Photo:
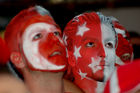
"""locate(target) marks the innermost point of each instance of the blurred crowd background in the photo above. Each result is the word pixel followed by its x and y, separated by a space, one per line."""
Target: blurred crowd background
pixel 126 11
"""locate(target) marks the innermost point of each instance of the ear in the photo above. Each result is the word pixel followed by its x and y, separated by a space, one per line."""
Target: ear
pixel 17 59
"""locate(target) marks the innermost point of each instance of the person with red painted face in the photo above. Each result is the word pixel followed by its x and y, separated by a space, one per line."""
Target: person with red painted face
pixel 91 42
pixel 124 51
pixel 37 50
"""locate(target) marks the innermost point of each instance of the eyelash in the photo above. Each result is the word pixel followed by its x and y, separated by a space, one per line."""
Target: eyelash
pixel 90 44
pixel 37 36
pixel 109 45
pixel 56 33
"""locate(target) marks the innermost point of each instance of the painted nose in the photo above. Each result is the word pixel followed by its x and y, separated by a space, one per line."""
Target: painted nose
pixel 101 52
pixel 53 39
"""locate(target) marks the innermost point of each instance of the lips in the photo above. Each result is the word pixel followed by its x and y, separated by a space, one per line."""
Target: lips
pixel 55 53
pixel 102 63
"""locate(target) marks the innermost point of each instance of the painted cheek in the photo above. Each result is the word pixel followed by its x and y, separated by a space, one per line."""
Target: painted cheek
pixel 49 46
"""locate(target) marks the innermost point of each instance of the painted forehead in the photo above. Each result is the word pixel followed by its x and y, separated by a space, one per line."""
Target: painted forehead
pixel 39 27
pixel 83 24
pixel 89 23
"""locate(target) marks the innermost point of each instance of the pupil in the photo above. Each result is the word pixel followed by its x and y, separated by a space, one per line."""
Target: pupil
pixel 90 43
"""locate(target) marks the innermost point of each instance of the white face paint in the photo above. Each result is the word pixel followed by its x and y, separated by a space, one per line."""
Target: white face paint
pixel 108 40
pixel 119 31
pixel 119 61
pixel 31 49
pixel 82 29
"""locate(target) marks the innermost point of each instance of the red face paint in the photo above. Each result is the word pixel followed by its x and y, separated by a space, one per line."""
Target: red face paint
pixel 43 47
pixel 85 44
pixel 90 50
pixel 36 37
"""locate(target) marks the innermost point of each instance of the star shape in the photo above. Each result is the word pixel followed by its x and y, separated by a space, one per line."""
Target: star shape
pixel 83 75
pixel 82 29
pixel 95 64
pixel 76 52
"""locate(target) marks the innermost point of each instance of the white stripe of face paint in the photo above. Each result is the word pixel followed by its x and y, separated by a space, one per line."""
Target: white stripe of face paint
pixel 114 87
pixel 31 50
pixel 108 37
pixel 119 31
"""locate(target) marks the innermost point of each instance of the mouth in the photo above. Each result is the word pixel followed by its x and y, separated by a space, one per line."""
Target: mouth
pixel 55 53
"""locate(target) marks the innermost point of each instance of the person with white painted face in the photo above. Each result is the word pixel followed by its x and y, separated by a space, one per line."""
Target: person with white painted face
pixel 37 50
pixel 90 39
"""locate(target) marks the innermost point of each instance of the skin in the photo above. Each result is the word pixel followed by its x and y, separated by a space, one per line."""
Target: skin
pixel 17 85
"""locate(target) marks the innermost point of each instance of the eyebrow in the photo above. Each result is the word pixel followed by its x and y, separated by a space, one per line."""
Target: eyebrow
pixel 110 39
pixel 90 38
pixel 57 26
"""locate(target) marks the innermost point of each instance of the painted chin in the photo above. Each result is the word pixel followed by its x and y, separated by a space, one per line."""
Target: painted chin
pixel 99 75
pixel 58 58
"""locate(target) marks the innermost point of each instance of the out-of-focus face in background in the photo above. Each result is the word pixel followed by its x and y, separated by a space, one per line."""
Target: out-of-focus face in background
pixel 124 49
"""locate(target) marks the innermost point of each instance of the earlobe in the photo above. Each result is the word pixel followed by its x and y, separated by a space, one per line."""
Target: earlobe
pixel 17 59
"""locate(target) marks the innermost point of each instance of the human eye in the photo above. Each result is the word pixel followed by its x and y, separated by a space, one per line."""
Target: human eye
pixel 37 36
pixel 56 33
pixel 90 44
pixel 109 45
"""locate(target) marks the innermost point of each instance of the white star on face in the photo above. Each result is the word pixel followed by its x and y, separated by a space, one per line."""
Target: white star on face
pixel 82 29
pixel 95 64
pixel 76 52
pixel 83 75
pixel 65 38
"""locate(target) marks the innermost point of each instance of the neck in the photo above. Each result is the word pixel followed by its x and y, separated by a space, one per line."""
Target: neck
pixel 89 85
pixel 43 82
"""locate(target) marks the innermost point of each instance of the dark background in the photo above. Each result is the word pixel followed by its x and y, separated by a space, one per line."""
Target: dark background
pixel 64 10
